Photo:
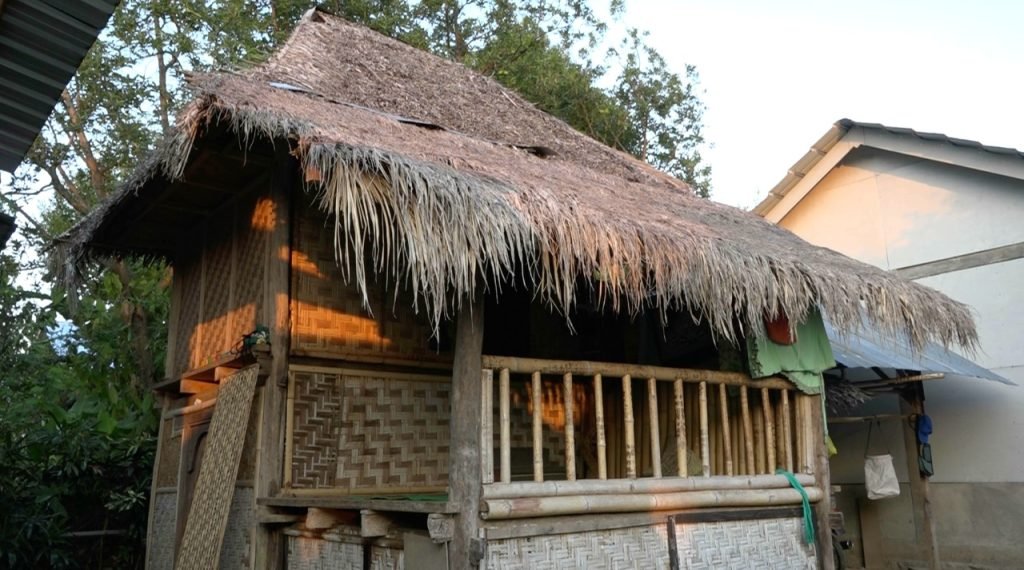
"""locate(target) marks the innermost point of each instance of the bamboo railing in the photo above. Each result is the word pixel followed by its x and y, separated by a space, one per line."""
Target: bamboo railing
pixel 744 428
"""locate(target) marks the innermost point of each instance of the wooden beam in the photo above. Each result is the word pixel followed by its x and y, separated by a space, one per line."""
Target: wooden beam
pixel 911 403
pixel 819 453
pixel 269 551
pixel 464 479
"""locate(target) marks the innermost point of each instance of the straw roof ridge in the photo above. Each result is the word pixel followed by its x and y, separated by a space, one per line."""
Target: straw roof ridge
pixel 446 210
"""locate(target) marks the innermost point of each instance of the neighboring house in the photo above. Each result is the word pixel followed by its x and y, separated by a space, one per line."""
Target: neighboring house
pixel 364 200
pixel 947 213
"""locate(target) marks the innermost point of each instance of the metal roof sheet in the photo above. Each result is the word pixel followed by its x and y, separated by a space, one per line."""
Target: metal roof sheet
pixel 870 349
pixel 42 43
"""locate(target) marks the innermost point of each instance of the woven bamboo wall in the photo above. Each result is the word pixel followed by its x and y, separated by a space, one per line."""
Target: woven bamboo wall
pixel 329 317
pixel 642 548
pixel 767 543
pixel 234 553
pixel 220 280
pixel 368 431
pixel 306 553
pixel 161 534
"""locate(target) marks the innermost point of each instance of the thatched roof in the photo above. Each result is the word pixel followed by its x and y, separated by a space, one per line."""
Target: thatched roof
pixel 481 186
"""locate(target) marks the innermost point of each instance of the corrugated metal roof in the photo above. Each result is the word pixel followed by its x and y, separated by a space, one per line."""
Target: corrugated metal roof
pixel 869 349
pixel 42 43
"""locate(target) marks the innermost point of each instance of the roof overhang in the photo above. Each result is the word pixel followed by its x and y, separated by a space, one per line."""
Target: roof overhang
pixel 845 136
pixel 42 43
pixel 6 227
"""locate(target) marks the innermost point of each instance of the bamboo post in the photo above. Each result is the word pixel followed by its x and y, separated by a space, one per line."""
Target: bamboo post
pixel 705 452
pixel 769 428
pixel 760 442
pixel 602 445
pixel 681 446
pixel 748 431
pixel 505 426
pixel 627 413
pixel 805 428
pixel 570 429
pixel 538 427
pixel 655 431
pixel 787 435
pixel 487 426
pixel 723 406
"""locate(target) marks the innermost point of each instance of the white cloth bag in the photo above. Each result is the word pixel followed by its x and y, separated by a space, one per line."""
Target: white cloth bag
pixel 880 477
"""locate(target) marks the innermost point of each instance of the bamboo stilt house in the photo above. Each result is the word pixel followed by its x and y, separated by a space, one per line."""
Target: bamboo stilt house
pixel 481 338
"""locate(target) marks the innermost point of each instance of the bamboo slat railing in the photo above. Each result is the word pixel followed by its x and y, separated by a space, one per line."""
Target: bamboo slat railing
pixel 744 428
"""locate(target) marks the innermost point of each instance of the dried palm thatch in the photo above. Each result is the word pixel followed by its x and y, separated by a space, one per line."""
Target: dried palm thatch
pixel 481 187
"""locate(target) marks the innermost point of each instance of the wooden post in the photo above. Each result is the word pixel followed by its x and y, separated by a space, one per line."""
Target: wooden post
pixel 487 426
pixel 819 454
pixel 504 421
pixel 538 427
pixel 681 447
pixel 464 479
pixel 769 428
pixel 748 432
pixel 627 413
pixel 723 406
pixel 269 551
pixel 652 414
pixel 570 429
pixel 705 452
pixel 911 403
pixel 602 444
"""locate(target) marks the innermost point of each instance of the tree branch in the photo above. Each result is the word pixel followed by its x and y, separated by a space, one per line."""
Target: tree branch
pixel 96 174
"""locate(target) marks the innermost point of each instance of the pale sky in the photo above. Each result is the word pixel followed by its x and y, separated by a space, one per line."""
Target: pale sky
pixel 777 74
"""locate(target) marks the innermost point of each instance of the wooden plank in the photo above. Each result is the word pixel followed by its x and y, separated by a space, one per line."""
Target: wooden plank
pixel 289 432
pixel 464 480
pixel 602 444
pixel 269 551
pixel 961 262
pixel 654 430
pixel 504 425
pixel 356 503
pixel 661 373
pixel 570 433
pixel 723 407
pixel 748 432
pixel 538 428
pixel 705 452
pixel 630 433
pixel 681 447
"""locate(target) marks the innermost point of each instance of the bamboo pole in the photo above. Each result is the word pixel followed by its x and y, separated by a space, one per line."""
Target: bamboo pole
pixel 662 373
pixel 723 405
pixel 644 485
pixel 528 507
pixel 705 452
pixel 787 435
pixel 769 427
pixel 627 412
pixel 570 429
pixel 760 442
pixel 487 427
pixel 681 446
pixel 505 420
pixel 748 432
pixel 538 427
pixel 655 429
pixel 806 429
pixel 602 445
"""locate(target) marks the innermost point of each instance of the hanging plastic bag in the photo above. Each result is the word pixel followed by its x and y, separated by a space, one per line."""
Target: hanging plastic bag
pixel 879 474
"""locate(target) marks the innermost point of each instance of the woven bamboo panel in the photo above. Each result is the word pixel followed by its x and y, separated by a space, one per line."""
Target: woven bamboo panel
pixel 234 553
pixel 739 545
pixel 186 348
pixel 306 553
pixel 214 339
pixel 329 315
pixel 316 421
pixel 170 455
pixel 161 535
pixel 253 221
pixel 206 524
pixel 385 558
pixel 393 433
pixel 642 548
pixel 247 463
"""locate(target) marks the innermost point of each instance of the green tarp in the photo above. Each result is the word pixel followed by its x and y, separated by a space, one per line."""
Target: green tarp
pixel 801 362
